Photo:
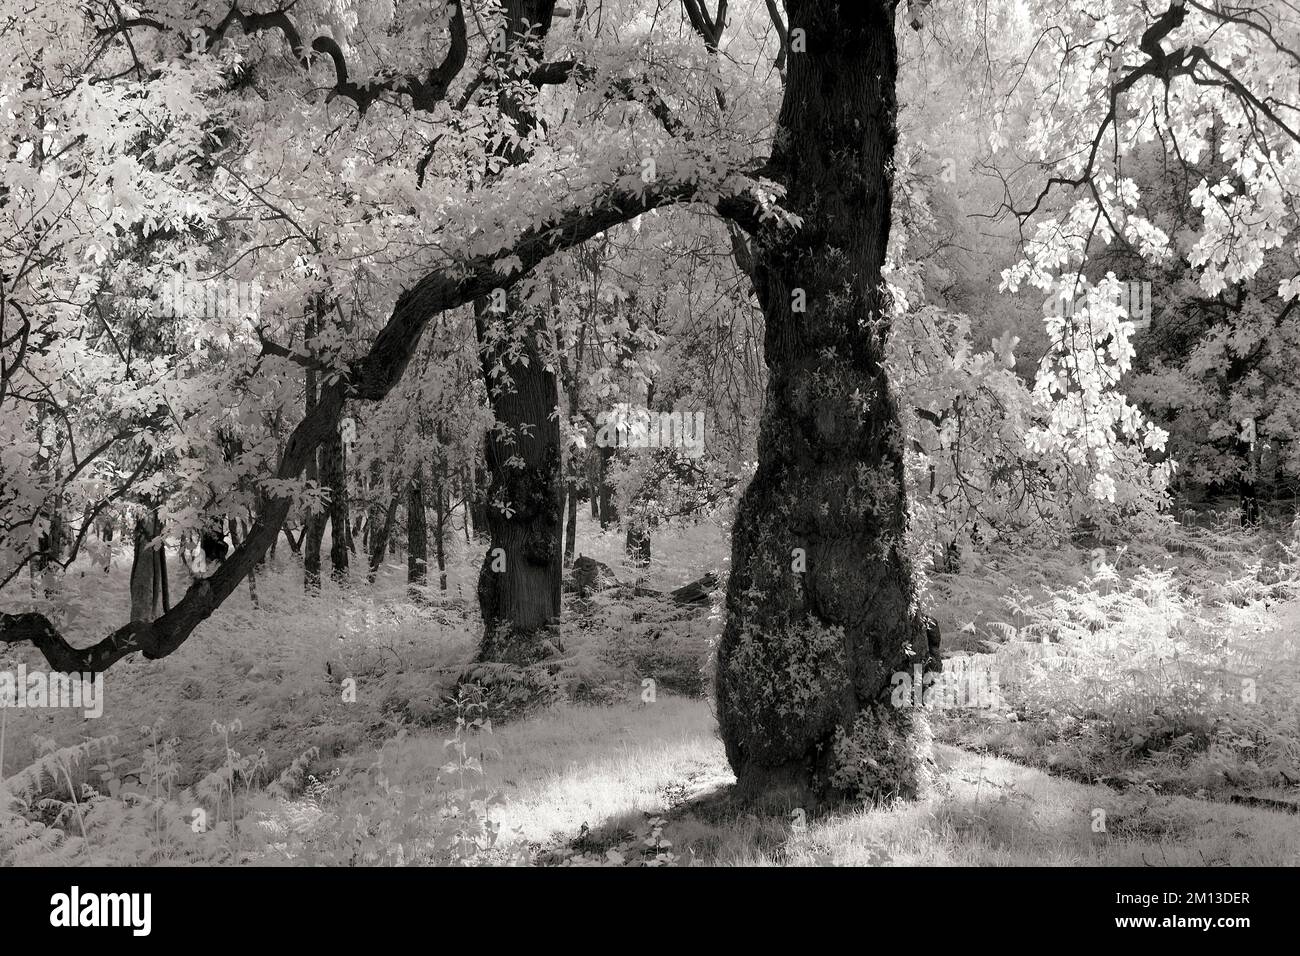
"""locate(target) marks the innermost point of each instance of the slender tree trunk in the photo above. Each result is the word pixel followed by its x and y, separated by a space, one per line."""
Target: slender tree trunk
pixel 237 535
pixel 637 543
pixel 417 537
pixel 821 603
pixel 477 503
pixel 314 531
pixel 334 477
pixel 108 544
pixel 311 555
pixel 593 480
pixel 1248 481
pixel 163 585
pixel 571 528
pixel 379 541
pixel 608 510
pixel 49 553
pixel 375 510
pixel 440 534
pixel 144 571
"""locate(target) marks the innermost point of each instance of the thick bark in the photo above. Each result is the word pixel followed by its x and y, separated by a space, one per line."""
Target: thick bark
pixel 821 604
pixel 522 572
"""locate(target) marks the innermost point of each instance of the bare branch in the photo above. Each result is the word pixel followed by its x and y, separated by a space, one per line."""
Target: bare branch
pixel 424 91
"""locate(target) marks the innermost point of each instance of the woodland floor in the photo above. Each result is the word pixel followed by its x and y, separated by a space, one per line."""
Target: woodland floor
pixel 600 776
pixel 599 773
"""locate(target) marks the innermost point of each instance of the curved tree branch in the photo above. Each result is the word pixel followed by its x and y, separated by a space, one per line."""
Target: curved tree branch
pixel 370 379
pixel 425 91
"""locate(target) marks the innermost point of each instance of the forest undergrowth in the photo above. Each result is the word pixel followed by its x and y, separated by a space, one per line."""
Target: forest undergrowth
pixel 354 729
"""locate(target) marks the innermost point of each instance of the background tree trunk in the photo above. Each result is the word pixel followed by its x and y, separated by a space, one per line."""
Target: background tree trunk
pixel 477 504
pixel 608 510
pixel 145 583
pixel 334 477
pixel 417 537
pixel 637 543
pixel 806 657
pixel 379 540
pixel 237 535
pixel 440 535
pixel 315 523
pixel 571 527
pixel 48 555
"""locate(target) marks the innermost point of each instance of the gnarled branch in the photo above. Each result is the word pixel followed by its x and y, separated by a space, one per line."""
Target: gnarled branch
pixel 370 379
pixel 425 91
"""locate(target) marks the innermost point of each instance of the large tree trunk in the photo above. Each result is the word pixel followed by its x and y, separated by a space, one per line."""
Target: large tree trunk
pixel 519 581
pixel 821 604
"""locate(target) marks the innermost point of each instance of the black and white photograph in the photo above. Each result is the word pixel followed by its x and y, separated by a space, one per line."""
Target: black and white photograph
pixel 731 437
